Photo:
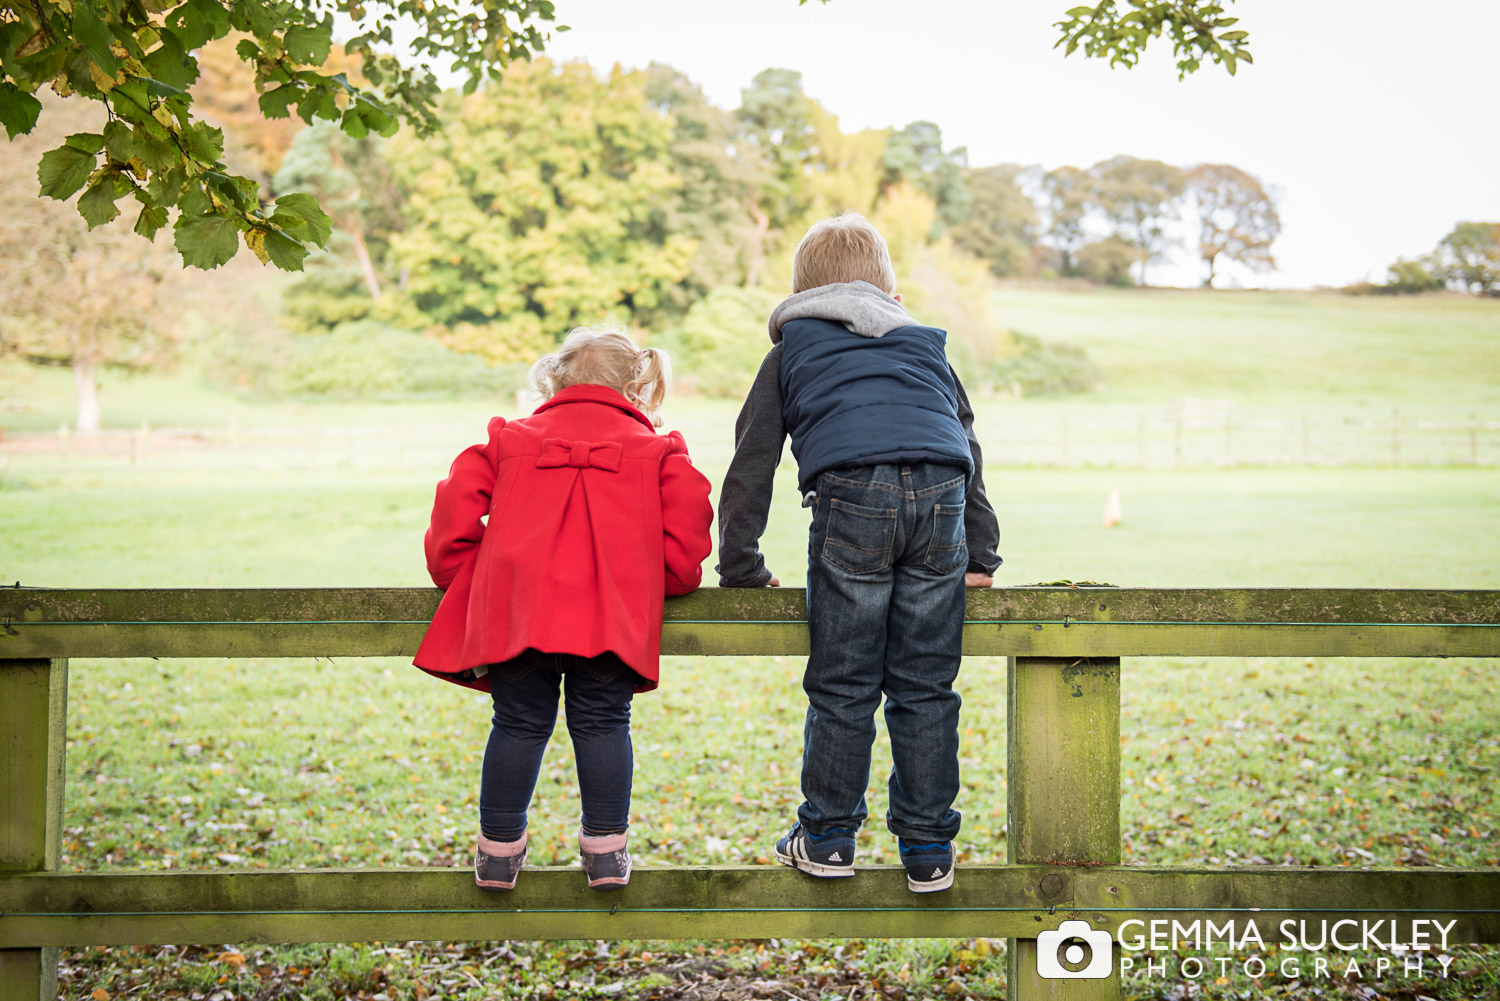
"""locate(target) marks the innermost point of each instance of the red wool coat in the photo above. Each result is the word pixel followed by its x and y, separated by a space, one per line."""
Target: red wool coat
pixel 592 518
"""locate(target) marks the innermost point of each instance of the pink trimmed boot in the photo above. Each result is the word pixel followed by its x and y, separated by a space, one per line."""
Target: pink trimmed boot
pixel 606 861
pixel 497 863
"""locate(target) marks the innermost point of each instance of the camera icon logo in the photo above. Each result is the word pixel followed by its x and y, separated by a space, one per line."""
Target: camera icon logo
pixel 1074 951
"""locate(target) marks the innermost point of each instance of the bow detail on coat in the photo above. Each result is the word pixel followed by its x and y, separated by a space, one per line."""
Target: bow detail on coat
pixel 579 454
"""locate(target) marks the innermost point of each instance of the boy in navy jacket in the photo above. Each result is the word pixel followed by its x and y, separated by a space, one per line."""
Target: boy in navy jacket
pixel 888 462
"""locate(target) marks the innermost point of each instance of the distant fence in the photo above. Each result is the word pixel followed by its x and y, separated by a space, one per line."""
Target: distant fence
pixel 1188 434
pixel 1205 436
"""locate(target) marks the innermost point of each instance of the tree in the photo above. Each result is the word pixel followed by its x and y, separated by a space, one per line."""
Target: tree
pixel 1069 194
pixel 1001 226
pixel 776 127
pixel 846 170
pixel 1237 219
pixel 137 60
pixel 541 204
pixel 75 298
pixel 352 181
pixel 719 186
pixel 915 154
pixel 1108 261
pixel 1409 277
pixel 1470 256
pixel 1139 196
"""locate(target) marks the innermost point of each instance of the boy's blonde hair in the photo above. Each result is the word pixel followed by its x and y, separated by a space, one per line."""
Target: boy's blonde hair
pixel 845 248
pixel 606 357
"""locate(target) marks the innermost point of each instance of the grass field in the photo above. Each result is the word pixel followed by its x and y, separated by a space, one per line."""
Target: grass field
pixel 1287 349
pixel 365 762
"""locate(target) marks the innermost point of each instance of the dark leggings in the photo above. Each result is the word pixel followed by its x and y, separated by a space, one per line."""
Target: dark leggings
pixel 597 692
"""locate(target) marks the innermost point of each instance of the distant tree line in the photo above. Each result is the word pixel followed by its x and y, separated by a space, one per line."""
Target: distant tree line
pixel 1467 259
pixel 558 197
pixel 1111 222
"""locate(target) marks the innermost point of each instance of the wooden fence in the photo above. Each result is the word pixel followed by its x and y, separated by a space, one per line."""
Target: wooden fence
pixel 1063 833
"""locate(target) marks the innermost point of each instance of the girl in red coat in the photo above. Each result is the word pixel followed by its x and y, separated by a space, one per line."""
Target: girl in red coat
pixel 555 542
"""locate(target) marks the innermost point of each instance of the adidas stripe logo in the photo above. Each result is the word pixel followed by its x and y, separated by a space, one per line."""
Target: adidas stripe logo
pixel 937 872
pixel 835 857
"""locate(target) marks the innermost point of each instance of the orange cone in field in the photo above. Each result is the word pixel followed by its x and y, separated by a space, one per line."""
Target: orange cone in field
pixel 1112 507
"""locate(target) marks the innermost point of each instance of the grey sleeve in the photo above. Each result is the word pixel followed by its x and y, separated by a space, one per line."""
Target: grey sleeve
pixel 745 495
pixel 980 524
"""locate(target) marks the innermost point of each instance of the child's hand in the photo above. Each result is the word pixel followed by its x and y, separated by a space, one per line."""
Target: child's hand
pixel 978 580
pixel 775 581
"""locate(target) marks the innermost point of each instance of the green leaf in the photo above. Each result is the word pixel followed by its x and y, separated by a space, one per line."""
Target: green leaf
pixel 64 170
pixel 87 142
pixel 1079 12
pixel 302 217
pixel 247 50
pixel 376 118
pixel 1231 36
pixel 318 103
pixel 130 101
pixel 156 88
pixel 207 240
pixel 285 252
pixel 151 219
pixel 198 21
pixel 97 204
pixel 18 110
pixel 238 191
pixel 170 63
pixel 203 142
pixel 119 140
pixel 277 103
pixel 94 37
pixel 353 123
pixel 308 43
pixel 192 199
pixel 167 186
pixel 254 16
pixel 155 151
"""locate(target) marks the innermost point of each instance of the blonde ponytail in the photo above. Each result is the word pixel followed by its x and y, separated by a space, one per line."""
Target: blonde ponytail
pixel 653 378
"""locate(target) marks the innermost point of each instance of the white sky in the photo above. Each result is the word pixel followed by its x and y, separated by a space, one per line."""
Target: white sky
pixel 1372 121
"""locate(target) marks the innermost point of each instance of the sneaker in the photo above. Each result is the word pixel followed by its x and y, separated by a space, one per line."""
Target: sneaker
pixel 497 863
pixel 929 867
pixel 829 856
pixel 606 861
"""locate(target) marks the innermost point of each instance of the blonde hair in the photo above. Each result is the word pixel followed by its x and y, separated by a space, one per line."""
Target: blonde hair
pixel 845 248
pixel 606 357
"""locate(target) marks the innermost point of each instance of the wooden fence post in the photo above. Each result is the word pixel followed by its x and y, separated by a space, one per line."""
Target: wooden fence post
pixel 33 734
pixel 1063 798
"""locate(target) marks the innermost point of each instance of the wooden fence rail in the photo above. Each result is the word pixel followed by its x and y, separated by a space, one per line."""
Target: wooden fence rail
pixel 1063 822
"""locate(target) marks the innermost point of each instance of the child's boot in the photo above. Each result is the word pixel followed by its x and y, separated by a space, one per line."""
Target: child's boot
pixel 497 863
pixel 606 861
pixel 830 855
pixel 929 867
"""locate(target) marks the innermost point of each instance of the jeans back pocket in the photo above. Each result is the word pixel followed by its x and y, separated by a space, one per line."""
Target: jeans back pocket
pixel 858 538
pixel 948 549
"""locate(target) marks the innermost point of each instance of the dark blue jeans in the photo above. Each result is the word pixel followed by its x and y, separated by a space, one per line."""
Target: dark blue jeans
pixel 597 692
pixel 885 611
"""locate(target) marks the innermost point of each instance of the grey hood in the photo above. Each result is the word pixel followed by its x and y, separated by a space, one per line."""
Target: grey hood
pixel 859 306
